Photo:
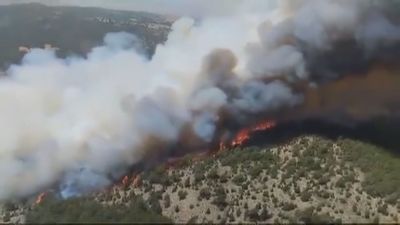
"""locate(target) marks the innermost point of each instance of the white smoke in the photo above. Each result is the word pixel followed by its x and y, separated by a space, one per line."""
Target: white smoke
pixel 80 121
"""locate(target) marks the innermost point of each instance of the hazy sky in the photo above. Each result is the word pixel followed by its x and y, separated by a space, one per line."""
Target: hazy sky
pixel 181 7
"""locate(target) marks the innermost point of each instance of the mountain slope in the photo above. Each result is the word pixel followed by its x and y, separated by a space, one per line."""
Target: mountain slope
pixel 310 179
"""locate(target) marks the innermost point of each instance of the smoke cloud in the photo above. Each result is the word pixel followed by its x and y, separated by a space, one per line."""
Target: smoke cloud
pixel 79 123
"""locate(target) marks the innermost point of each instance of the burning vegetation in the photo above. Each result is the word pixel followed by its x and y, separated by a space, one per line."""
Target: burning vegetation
pixel 40 198
pixel 300 60
pixel 244 135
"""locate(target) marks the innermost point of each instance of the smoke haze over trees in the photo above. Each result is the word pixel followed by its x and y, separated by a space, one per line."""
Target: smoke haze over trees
pixel 82 121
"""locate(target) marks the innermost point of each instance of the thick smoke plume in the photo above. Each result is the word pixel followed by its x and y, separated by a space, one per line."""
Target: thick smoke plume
pixel 79 123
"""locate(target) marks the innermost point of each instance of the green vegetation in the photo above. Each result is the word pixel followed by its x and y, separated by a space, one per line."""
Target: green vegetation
pixel 167 201
pixel 305 196
pixel 182 194
pixel 205 193
pixel 239 179
pixel 381 168
pixel 74 30
pixel 86 210
pixel 220 198
pixel 288 206
pixel 237 186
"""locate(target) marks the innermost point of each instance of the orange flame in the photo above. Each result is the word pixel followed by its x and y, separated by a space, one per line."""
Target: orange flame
pixel 137 180
pixel 40 198
pixel 221 146
pixel 266 125
pixel 125 181
pixel 243 135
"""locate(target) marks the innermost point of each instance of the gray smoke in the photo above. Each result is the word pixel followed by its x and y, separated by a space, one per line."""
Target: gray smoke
pixel 81 122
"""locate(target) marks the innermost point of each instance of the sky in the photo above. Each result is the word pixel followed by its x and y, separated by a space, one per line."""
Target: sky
pixel 174 7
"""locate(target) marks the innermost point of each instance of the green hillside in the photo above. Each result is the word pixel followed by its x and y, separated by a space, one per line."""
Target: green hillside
pixel 311 179
pixel 72 29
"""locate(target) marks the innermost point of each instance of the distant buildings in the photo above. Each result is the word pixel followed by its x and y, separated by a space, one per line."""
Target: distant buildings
pixel 132 21
pixel 24 49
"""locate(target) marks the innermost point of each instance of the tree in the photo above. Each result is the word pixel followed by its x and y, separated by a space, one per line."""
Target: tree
pixel 220 201
pixel 182 194
pixel 85 210
pixel 287 206
pixel 383 209
pixel 213 174
pixel 253 215
pixel 205 193
pixel 305 196
pixel 265 215
pixel 154 202
pixel 187 182
pixel 238 212
pixel 167 201
pixel 239 179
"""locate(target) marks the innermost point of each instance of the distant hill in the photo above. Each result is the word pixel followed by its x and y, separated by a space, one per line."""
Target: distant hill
pixel 74 30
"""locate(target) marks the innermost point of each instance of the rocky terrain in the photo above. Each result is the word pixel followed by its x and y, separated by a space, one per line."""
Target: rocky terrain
pixel 309 179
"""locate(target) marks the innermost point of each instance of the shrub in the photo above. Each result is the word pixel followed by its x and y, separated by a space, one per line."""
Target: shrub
pixel 213 174
pixel 6 217
pixel 354 208
pixel 187 182
pixel 265 215
pixel 159 176
pixel 256 170
pixel 84 210
pixel 238 212
pixel 223 178
pixel 383 209
pixel 182 194
pixel 381 179
pixel 325 194
pixel 367 214
pixel 198 177
pixel 253 215
pixel 167 201
pixel 204 193
pixel 288 206
pixel 305 196
pixel 305 215
pixel 220 201
pixel 239 179
pixel 154 202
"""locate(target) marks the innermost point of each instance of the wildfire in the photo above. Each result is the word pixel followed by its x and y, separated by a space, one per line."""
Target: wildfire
pixel 125 181
pixel 137 180
pixel 134 181
pixel 243 135
pixel 40 198
pixel 266 125
pixel 221 146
